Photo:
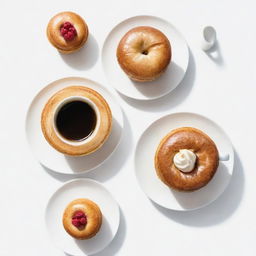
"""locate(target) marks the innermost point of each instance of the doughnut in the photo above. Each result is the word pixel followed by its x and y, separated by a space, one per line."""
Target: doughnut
pixel 82 219
pixel 99 135
pixel 144 53
pixel 67 32
pixel 186 159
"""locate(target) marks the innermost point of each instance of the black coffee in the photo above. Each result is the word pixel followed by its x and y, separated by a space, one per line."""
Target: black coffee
pixel 76 120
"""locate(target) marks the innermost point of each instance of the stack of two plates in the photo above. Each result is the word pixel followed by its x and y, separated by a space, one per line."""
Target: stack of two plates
pixel 79 188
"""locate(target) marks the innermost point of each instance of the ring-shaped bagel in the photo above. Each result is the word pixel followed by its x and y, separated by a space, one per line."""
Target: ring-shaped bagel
pixel 144 53
pixel 206 163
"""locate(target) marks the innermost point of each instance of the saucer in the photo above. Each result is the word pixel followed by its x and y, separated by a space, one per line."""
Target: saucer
pixel 148 90
pixel 82 188
pixel 51 158
pixel 155 189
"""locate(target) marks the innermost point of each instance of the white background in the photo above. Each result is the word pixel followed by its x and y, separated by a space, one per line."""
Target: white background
pixel 222 89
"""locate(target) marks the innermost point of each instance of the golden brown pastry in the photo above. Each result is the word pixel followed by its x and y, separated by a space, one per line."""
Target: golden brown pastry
pixel 82 218
pixel 66 133
pixel 144 53
pixel 186 159
pixel 67 32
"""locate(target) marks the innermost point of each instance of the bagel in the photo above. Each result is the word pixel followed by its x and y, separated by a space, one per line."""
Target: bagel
pixel 144 53
pixel 67 32
pixel 82 219
pixel 206 160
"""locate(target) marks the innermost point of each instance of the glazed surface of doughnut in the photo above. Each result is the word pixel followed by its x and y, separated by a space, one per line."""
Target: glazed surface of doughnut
pixel 144 53
pixel 93 216
pixel 58 41
pixel 97 140
pixel 206 163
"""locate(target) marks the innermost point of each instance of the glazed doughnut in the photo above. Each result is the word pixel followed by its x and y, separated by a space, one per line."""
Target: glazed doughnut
pixel 144 53
pixel 67 32
pixel 82 219
pixel 98 137
pixel 190 142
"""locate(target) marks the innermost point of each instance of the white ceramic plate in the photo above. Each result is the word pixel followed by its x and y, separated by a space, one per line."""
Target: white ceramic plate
pixel 82 188
pixel 50 157
pixel 158 191
pixel 149 90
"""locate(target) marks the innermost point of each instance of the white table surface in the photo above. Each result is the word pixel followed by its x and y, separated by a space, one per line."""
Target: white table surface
pixel 222 89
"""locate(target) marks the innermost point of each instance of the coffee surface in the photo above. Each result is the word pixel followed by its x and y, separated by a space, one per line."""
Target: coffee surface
pixel 76 120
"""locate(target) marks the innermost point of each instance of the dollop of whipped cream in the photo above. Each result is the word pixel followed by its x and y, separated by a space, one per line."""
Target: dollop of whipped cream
pixel 185 160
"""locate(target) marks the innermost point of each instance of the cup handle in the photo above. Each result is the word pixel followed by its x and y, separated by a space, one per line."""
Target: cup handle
pixel 208 38
pixel 224 157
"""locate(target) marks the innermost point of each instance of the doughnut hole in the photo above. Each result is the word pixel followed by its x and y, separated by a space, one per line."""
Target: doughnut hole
pixel 144 52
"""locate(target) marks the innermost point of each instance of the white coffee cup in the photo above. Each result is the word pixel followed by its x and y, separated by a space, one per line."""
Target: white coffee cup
pixel 73 99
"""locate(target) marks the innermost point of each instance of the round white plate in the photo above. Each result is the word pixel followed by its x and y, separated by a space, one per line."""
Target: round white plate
pixel 149 90
pixel 157 190
pixel 50 157
pixel 82 188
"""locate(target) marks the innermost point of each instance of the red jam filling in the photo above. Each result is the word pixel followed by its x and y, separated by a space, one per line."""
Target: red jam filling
pixel 79 219
pixel 68 31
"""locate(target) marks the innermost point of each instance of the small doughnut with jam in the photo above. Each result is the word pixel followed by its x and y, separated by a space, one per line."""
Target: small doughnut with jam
pixel 82 219
pixel 67 32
